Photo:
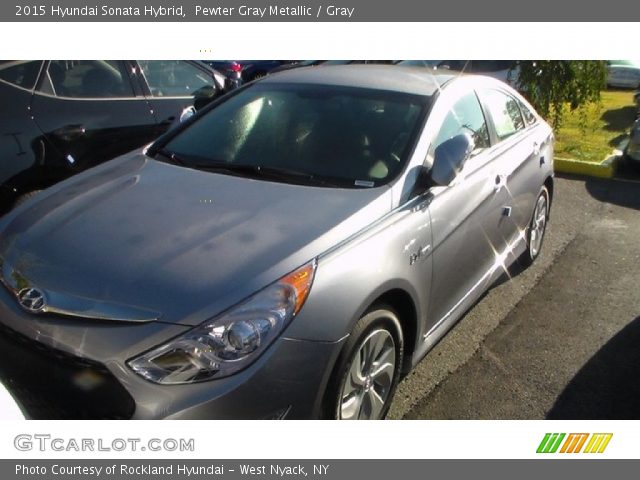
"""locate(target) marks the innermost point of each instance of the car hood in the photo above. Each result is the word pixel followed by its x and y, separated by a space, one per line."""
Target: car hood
pixel 140 240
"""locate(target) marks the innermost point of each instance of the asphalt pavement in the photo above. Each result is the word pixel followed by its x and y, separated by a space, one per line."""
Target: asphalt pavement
pixel 558 340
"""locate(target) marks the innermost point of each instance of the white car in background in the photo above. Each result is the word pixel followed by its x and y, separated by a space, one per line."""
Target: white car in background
pixel 623 73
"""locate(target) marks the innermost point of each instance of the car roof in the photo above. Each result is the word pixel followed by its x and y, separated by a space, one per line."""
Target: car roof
pixel 414 80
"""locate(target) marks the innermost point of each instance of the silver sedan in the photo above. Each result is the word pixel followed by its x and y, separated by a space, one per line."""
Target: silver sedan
pixel 289 252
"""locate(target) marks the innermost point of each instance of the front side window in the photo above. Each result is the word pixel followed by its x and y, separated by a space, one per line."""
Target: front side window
pixel 174 78
pixel 505 113
pixel 87 79
pixel 351 136
pixel 465 117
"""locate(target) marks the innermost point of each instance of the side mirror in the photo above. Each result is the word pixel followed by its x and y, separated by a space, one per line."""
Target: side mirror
pixel 203 96
pixel 187 113
pixel 449 158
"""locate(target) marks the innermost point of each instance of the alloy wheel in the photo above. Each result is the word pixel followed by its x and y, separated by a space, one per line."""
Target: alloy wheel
pixel 538 226
pixel 367 386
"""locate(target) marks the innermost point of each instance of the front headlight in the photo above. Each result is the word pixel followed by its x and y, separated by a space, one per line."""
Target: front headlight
pixel 230 342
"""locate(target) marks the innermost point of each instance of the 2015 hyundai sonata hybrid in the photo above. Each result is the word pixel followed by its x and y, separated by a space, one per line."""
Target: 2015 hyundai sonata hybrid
pixel 289 252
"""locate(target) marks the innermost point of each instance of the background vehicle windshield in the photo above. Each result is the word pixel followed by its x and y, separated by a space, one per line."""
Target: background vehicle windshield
pixel 345 134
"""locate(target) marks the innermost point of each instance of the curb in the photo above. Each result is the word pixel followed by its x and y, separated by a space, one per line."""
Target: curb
pixel 606 169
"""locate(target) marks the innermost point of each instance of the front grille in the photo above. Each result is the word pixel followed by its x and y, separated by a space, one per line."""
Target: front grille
pixel 51 384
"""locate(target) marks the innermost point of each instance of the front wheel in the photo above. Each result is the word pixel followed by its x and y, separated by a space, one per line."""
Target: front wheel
pixel 369 368
pixel 537 227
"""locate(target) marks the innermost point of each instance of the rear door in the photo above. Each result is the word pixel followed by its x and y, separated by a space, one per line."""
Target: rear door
pixel 522 151
pixel 89 112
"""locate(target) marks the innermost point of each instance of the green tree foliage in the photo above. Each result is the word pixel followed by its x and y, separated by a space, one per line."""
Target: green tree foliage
pixel 553 86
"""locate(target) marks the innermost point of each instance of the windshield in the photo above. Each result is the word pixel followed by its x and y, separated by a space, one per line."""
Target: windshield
pixel 351 136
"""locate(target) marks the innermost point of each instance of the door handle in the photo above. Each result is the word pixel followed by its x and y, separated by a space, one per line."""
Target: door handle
pixel 536 148
pixel 500 181
pixel 168 121
pixel 69 132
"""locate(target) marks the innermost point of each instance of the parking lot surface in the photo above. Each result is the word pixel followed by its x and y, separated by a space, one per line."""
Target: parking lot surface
pixel 558 340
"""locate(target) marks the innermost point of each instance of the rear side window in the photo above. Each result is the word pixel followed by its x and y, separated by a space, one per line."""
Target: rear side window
pixel 21 74
pixel 528 115
pixel 505 112
pixel 465 117
pixel 174 78
pixel 87 79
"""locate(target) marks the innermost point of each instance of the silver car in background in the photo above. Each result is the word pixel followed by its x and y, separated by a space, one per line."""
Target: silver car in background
pixel 289 252
pixel 623 73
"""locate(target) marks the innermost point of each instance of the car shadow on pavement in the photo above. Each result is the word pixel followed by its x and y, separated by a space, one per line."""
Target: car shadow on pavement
pixel 624 194
pixel 607 386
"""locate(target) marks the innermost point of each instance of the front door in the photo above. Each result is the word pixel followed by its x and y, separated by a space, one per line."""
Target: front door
pixel 465 218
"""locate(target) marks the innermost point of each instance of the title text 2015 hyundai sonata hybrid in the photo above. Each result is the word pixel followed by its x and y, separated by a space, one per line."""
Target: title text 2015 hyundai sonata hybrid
pixel 288 252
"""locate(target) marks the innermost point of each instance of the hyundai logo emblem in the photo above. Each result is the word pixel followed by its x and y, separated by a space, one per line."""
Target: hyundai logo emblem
pixel 31 299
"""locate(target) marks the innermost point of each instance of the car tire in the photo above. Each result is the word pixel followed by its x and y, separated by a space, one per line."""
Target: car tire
pixel 24 197
pixel 537 228
pixel 368 370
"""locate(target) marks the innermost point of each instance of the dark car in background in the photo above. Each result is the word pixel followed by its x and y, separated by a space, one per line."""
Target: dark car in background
pixel 241 71
pixel 231 70
pixel 632 152
pixel 254 69
pixel 60 117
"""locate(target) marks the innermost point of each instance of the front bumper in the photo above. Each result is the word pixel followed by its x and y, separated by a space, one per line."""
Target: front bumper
pixel 58 368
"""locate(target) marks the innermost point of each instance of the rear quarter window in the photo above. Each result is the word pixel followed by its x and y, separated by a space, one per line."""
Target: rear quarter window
pixel 528 115
pixel 21 74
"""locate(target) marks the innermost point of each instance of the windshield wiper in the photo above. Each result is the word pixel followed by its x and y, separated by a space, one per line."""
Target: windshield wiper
pixel 277 173
pixel 171 157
